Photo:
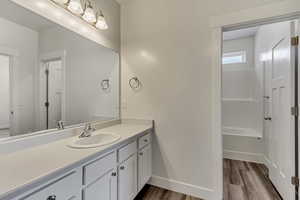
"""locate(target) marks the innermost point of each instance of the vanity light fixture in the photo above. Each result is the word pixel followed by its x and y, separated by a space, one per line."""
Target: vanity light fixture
pixel 86 12
pixel 101 23
pixel 75 7
pixel 89 14
pixel 62 2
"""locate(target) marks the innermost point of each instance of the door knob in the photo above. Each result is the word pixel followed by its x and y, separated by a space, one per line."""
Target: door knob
pixel 114 174
pixel 52 197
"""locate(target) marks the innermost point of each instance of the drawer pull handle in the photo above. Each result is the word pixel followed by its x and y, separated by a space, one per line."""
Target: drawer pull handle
pixel 52 197
pixel 114 174
pixel 122 168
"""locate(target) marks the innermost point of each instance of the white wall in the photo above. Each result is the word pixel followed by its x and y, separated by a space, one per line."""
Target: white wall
pixel 87 64
pixel 4 92
pixel 167 44
pixel 25 42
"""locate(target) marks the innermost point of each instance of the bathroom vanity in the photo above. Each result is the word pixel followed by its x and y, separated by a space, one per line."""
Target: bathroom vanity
pixel 57 171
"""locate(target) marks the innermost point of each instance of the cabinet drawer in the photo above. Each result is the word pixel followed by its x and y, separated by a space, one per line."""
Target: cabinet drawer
pixel 99 167
pixel 144 140
pixel 126 151
pixel 67 188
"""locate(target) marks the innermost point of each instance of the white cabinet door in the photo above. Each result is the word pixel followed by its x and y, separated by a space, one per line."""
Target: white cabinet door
pixel 127 184
pixel 104 188
pixel 144 166
pixel 67 188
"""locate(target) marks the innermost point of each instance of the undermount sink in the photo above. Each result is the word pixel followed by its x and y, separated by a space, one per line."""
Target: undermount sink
pixel 96 140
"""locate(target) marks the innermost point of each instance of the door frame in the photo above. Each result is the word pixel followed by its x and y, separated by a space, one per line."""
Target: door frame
pixel 270 13
pixel 43 58
pixel 13 55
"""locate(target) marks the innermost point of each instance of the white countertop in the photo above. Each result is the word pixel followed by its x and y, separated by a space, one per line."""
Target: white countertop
pixel 24 168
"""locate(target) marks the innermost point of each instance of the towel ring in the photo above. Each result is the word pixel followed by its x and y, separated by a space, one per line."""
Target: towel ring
pixel 105 84
pixel 134 83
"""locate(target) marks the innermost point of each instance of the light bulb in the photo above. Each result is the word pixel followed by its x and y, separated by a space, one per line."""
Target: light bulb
pixel 61 1
pixel 89 15
pixel 75 7
pixel 101 23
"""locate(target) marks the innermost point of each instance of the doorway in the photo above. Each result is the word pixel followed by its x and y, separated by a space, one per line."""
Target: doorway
pixel 51 92
pixel 258 94
pixel 5 94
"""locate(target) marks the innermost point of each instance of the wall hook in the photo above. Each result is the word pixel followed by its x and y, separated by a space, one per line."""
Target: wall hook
pixel 134 83
pixel 105 84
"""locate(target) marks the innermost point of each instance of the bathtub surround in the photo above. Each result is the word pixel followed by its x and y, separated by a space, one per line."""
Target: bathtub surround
pixel 241 112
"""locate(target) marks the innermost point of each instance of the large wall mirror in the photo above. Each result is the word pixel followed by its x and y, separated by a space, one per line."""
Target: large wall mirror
pixel 50 74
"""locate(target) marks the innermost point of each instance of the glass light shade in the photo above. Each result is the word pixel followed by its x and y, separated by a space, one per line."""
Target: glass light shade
pixel 89 15
pixel 75 7
pixel 61 1
pixel 101 23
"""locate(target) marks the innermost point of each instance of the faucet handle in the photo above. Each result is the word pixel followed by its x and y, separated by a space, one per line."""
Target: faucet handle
pixel 60 125
pixel 88 127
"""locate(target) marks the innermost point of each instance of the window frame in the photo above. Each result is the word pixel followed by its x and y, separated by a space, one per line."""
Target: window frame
pixel 233 55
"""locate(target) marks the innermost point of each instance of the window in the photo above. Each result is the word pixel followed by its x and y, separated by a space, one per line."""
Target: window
pixel 234 57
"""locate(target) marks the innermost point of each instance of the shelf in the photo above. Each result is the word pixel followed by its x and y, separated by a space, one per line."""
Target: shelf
pixel 239 99
pixel 241 132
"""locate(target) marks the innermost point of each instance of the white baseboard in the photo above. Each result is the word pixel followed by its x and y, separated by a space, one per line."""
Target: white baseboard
pixel 181 187
pixel 244 156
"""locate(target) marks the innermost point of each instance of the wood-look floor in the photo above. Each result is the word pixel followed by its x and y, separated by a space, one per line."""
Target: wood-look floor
pixel 247 181
pixel 155 193
pixel 242 181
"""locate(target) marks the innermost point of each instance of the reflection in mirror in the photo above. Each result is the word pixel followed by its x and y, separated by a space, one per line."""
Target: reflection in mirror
pixel 50 74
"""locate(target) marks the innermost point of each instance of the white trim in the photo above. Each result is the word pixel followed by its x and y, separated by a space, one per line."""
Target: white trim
pixel 44 58
pixel 216 123
pixel 244 156
pixel 274 12
pixel 9 51
pixel 181 187
pixel 244 18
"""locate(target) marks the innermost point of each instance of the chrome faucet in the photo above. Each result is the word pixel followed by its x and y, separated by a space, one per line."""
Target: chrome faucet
pixel 87 131
pixel 60 125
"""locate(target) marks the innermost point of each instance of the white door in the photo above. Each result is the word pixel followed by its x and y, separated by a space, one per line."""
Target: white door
pixel 127 184
pixel 55 93
pixel 104 188
pixel 144 166
pixel 51 93
pixel 281 155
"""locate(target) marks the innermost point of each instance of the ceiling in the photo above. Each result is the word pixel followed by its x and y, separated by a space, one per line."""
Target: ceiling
pixel 22 16
pixel 231 35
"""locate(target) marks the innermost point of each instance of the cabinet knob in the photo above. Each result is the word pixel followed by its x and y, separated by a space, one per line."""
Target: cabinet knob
pixel 122 168
pixel 145 140
pixel 52 197
pixel 141 153
pixel 114 174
